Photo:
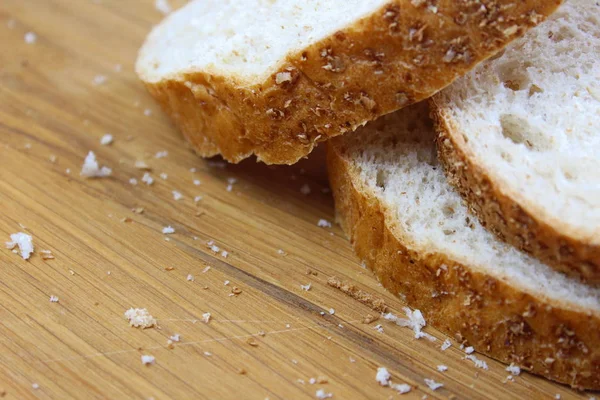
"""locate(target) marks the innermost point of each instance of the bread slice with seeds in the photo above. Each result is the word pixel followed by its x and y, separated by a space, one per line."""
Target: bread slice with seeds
pixel 411 227
pixel 520 138
pixel 274 78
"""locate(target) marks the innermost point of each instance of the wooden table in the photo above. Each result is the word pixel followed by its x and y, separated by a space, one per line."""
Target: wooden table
pixel 54 108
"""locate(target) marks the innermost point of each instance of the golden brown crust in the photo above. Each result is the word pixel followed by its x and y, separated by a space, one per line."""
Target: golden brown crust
pixel 504 215
pixel 496 318
pixel 399 55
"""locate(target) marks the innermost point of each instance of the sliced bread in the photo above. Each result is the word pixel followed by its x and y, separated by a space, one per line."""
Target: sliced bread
pixel 410 226
pixel 274 78
pixel 520 139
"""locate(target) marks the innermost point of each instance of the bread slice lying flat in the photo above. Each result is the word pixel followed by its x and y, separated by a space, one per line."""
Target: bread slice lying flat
pixel 275 77
pixel 520 138
pixel 411 227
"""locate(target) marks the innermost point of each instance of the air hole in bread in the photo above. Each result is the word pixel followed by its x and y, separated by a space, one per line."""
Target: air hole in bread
pixel 381 178
pixel 515 76
pixel 520 131
pixel 448 210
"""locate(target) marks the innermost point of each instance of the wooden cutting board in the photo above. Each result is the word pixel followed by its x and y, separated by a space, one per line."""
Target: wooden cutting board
pixel 58 97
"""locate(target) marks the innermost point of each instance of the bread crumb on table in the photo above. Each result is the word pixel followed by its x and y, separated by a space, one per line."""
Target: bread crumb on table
pixel 321 394
pixel 446 345
pixel 383 376
pixel 442 368
pixel 206 317
pixel 23 241
pixel 323 223
pixel 30 38
pixel 140 318
pixel 147 359
pixel 53 299
pixel 513 369
pixel 106 139
pixel 167 230
pixel 91 168
pixel 161 154
pixel 177 195
pixel 375 303
pixel 433 385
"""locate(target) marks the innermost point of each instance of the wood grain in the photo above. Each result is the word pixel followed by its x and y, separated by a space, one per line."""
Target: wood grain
pixel 82 347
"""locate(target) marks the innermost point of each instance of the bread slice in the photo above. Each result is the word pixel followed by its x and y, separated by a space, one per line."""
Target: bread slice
pixel 275 77
pixel 410 226
pixel 520 138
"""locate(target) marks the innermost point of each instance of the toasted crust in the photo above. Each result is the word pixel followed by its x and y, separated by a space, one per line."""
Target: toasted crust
pixel 512 220
pixel 401 54
pixel 498 319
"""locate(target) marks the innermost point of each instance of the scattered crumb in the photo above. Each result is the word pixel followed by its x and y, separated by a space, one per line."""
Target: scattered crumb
pixel 207 354
pixel 433 385
pixel 378 328
pixel 106 139
pixel 514 369
pixel 139 164
pixel 352 360
pixel 138 210
pixel 226 283
pixel 161 154
pixel 383 376
pixel 133 181
pixel 557 396
pixel 68 171
pixel 281 252
pixel 47 255
pixel 169 268
pixel 321 394
pixel 375 303
pixel 177 195
pixel 311 272
pixel 236 290
pixel 140 318
pixel 331 311
pixel 175 337
pixel 442 368
pixel 252 342
pixel 206 269
pixel 91 169
pixel 170 344
pixel 305 287
pixel 53 299
pixel 197 199
pixel 224 254
pixel 446 345
pixel 401 387
pixel 190 278
pixel 52 158
pixel 241 371
pixel 163 176
pixel 168 230
pixel 206 317
pixel 35 386
pixel 30 38
pixel 305 189
pixel 478 363
pixel 147 360
pixel 23 241
pixel 469 350
pixel 163 6
pixel 415 321
pixel 99 80
pixel 197 182
pixel 323 223
pixel 230 183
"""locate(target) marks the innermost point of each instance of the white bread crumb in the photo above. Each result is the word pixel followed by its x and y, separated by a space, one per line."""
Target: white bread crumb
pixel 331 311
pixel 197 182
pixel 190 278
pixel 163 6
pixel 30 38
pixel 433 385
pixel 147 360
pixel 161 154
pixel 478 363
pixel 206 269
pixel 140 164
pixel 140 318
pixel 35 386
pixel 163 176
pixel 321 394
pixel 306 288
pixel 378 328
pixel 91 169
pixel 446 345
pixel 53 299
pixel 514 369
pixel 23 241
pixel 177 195
pixel 168 230
pixel 106 139
pixel 415 321
pixel 442 368
pixel 176 337
pixel 323 223
pixel 197 199
pixel 469 350
pixel 383 376
pixel 401 387
pixel 147 179
pixel 206 317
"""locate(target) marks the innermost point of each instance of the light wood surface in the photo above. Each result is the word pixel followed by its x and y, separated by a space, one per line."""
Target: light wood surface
pixel 109 258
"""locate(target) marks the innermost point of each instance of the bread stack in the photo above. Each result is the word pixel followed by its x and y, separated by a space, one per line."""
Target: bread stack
pixel 479 206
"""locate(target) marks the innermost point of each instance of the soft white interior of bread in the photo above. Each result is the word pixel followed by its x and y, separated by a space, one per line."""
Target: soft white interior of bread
pixel 532 118
pixel 246 39
pixel 394 160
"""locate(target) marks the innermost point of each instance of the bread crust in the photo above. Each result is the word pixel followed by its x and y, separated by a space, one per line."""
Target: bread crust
pixel 402 53
pixel 507 216
pixel 497 318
